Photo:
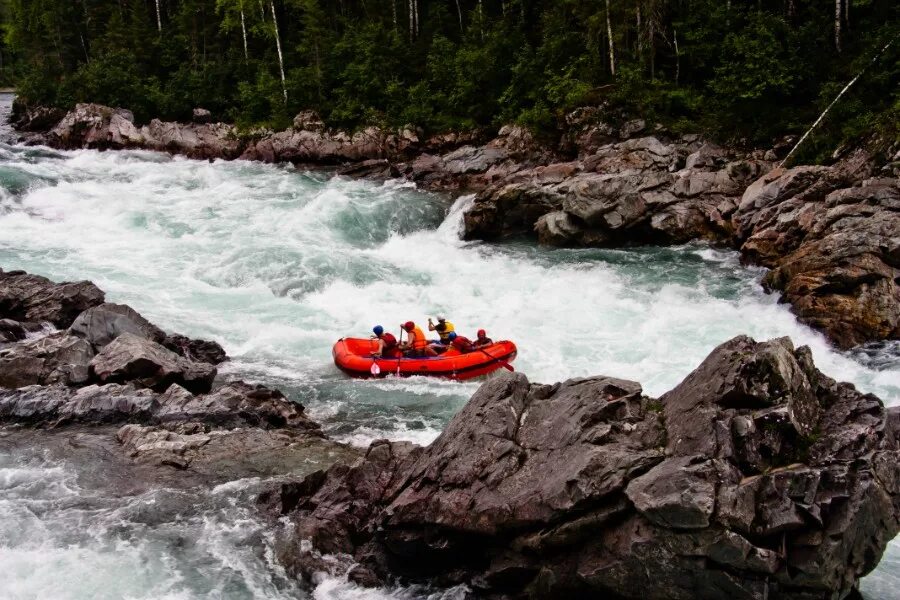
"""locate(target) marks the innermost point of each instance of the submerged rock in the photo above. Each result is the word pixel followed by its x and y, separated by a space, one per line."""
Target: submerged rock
pixel 756 477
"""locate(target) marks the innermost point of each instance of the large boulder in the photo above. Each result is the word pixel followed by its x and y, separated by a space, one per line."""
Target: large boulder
pixel 25 297
pixel 131 358
pixel 833 248
pixel 55 358
pixel 96 126
pixel 756 477
pixel 101 324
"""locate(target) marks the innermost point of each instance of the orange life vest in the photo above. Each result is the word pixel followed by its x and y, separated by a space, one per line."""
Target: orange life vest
pixel 417 339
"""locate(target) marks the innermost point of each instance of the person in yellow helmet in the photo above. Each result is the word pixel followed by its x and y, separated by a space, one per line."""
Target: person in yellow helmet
pixel 443 327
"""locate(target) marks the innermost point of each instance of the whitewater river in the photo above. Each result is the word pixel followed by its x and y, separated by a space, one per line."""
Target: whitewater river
pixel 276 264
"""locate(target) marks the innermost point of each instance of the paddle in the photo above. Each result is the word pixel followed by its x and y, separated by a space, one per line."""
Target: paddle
pixel 399 342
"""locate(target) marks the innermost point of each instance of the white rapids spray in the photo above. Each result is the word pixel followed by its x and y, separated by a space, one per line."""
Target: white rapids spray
pixel 277 264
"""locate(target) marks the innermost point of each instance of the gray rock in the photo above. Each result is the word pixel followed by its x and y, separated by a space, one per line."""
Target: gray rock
pixel 56 358
pixel 25 297
pixel 757 477
pixel 131 358
pixel 197 350
pixel 102 324
pixel 11 331
pixel 831 246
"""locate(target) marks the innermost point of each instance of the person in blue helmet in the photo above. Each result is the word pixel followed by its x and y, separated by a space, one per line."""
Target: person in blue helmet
pixel 387 344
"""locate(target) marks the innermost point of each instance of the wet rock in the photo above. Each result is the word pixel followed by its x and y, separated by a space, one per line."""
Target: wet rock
pixel 243 452
pixel 196 350
pixel 756 477
pixel 54 405
pixel 101 324
pixel 56 358
pixel 25 297
pixel 232 405
pixel 11 331
pixel 131 358
pixel 376 168
pixel 38 118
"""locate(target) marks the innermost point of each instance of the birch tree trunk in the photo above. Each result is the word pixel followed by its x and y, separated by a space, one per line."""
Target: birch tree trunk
pixel 278 47
pixel 416 15
pixel 640 33
pixel 243 30
pixel 612 48
pixel 836 98
pixel 158 18
pixel 394 11
pixel 459 12
pixel 837 25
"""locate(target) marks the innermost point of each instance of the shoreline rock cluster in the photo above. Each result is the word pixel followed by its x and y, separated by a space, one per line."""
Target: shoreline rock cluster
pixel 757 477
pixel 830 235
pixel 68 358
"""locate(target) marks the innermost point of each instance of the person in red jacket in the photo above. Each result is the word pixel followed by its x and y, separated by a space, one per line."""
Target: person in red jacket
pixel 387 344
pixel 460 342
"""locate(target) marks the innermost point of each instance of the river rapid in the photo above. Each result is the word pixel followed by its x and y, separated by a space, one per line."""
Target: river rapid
pixel 276 264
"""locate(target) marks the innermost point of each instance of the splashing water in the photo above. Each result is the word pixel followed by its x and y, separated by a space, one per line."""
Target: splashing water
pixel 277 264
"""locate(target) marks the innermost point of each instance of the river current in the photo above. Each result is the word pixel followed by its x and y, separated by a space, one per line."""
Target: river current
pixel 276 264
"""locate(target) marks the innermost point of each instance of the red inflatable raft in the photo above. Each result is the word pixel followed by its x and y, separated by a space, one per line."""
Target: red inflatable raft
pixel 354 357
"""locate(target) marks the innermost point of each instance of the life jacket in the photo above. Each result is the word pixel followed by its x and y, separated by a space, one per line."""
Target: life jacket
pixel 444 329
pixel 417 339
pixel 390 342
pixel 462 344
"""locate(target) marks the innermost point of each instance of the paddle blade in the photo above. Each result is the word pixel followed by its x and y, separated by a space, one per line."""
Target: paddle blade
pixel 508 367
pixel 375 370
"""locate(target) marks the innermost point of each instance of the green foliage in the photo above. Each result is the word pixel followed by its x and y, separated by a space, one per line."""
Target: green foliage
pixel 748 70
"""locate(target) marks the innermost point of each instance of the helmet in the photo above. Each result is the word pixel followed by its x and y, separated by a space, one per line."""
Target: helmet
pixel 441 318
pixel 409 325
pixel 451 336
pixel 482 333
pixel 378 330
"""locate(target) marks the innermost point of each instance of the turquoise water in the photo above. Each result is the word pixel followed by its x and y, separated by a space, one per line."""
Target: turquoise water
pixel 276 264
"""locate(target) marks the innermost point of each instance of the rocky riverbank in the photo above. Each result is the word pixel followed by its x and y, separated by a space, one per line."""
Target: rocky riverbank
pixel 70 362
pixel 756 477
pixel 829 235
